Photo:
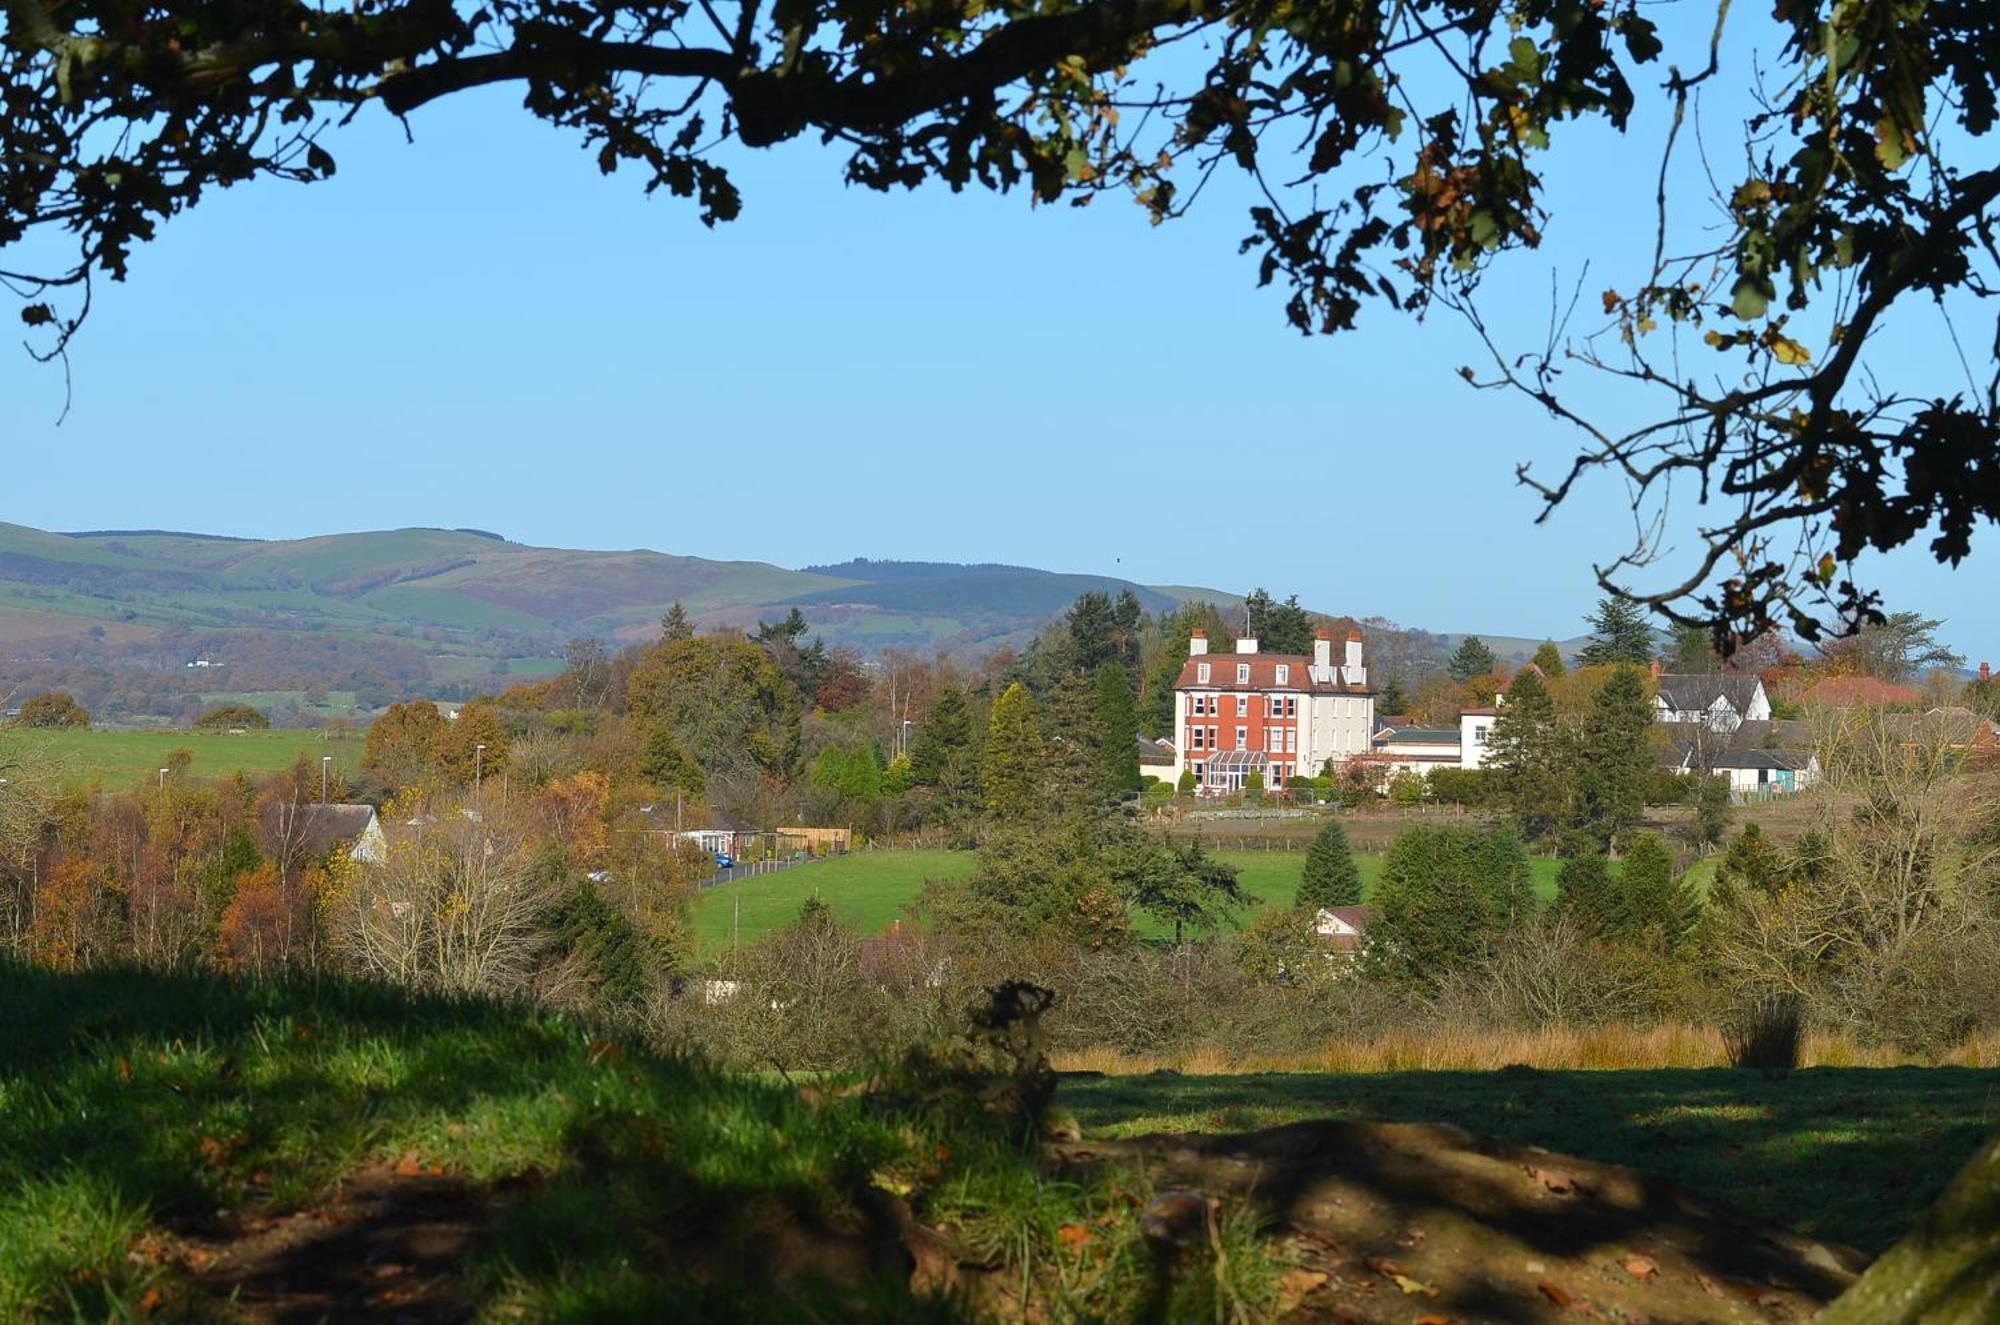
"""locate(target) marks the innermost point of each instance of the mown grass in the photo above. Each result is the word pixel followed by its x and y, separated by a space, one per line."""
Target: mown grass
pixel 869 890
pixel 1852 1155
pixel 120 759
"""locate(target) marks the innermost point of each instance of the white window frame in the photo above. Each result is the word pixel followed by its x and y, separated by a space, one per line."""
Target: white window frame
pixel 1243 674
pixel 1243 706
pixel 1284 674
pixel 1201 673
pixel 1243 738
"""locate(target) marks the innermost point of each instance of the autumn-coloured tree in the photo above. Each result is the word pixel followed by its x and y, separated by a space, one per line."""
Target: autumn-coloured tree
pixel 75 922
pixel 841 683
pixel 264 924
pixel 570 813
pixel 457 748
pixel 52 709
pixel 403 743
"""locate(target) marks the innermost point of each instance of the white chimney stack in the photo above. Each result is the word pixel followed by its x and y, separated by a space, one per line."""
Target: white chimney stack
pixel 1322 652
pixel 1197 643
pixel 1356 673
pixel 1247 645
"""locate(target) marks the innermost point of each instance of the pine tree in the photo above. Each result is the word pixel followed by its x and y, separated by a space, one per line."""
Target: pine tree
pixel 1011 773
pixel 1529 757
pixel 1653 902
pixel 944 756
pixel 1093 637
pixel 675 624
pixel 1331 878
pixel 1549 659
pixel 1446 896
pixel 1277 627
pixel 1472 659
pixel 1117 729
pixel 1392 699
pixel 1584 892
pixel 1619 633
pixel 1613 762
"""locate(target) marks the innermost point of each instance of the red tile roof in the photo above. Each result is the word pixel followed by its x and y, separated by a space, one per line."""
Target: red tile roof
pixel 1855 691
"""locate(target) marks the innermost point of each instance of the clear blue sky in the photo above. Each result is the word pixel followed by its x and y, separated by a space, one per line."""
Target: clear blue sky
pixel 481 330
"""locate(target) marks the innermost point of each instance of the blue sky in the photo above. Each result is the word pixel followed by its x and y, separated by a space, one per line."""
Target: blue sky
pixel 481 330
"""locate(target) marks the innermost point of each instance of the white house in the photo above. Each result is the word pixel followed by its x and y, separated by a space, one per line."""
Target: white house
pixel 1475 736
pixel 1720 702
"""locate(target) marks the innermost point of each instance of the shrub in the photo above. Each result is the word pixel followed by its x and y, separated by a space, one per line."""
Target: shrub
pixel 223 717
pixel 1445 897
pixel 1406 788
pixel 52 709
pixel 1461 786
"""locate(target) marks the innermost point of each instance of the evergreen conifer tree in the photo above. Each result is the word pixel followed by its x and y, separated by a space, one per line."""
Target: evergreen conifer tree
pixel 675 624
pixel 1529 757
pixel 1613 762
pixel 1471 659
pixel 1549 659
pixel 1619 633
pixel 1011 773
pixel 1330 878
pixel 1653 903
pixel 1117 728
pixel 1584 892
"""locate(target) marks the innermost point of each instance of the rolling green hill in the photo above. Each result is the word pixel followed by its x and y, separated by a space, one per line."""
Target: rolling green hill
pixel 154 600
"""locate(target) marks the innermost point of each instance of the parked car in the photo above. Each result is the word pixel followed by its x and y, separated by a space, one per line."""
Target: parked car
pixel 724 861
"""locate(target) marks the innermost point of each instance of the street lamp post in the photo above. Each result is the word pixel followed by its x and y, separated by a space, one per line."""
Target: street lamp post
pixel 478 766
pixel 163 778
pixel 325 763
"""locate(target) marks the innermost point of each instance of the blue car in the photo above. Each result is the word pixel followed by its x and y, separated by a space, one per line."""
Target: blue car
pixel 724 861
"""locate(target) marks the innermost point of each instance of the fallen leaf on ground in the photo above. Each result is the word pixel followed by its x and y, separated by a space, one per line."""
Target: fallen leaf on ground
pixel 1554 1292
pixel 1383 1265
pixel 1641 1266
pixel 1413 1286
pixel 1708 1285
pixel 1296 1286
pixel 1073 1235
pixel 409 1166
pixel 1432 1318
pixel 148 1301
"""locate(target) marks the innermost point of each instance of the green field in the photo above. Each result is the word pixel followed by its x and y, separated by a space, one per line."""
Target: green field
pixel 1851 1155
pixel 121 758
pixel 870 889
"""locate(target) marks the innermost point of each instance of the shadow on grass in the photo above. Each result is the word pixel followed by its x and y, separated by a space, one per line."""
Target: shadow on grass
pixel 1847 1155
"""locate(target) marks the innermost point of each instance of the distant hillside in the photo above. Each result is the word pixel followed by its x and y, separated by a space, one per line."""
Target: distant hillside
pixel 450 610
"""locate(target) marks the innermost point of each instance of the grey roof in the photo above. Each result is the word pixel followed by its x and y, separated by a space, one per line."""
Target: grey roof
pixel 1155 752
pixel 315 828
pixel 1694 692
pixel 1225 760
pixel 1421 736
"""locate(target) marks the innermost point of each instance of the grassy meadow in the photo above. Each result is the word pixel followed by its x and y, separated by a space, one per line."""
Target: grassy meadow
pixel 119 759
pixel 870 889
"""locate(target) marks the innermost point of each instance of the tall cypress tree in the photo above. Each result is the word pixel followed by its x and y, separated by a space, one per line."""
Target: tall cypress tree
pixel 1011 773
pixel 1331 878
pixel 1529 757
pixel 1613 762
pixel 1117 729
pixel 1654 903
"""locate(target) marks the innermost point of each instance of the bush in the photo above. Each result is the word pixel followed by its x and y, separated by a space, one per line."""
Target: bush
pixel 1461 786
pixel 223 717
pixel 53 710
pixel 1445 897
pixel 1406 788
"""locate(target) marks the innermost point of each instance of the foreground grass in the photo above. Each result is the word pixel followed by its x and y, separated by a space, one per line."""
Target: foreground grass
pixel 1851 1155
pixel 120 759
pixel 869 890
pixel 142 1114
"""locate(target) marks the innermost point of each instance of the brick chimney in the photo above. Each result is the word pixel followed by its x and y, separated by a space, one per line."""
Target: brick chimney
pixel 1197 643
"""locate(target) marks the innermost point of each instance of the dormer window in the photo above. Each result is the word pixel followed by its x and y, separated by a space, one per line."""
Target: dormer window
pixel 1243 674
pixel 1201 673
pixel 1284 675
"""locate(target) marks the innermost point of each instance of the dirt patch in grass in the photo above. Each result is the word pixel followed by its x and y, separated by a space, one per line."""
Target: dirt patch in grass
pixel 1390 1222
pixel 389 1244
